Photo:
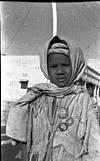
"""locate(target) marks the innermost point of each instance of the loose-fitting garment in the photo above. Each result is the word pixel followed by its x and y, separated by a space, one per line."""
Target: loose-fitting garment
pixel 45 140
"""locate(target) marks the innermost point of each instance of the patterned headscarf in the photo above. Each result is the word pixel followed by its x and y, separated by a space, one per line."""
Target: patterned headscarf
pixel 76 56
pixel 77 61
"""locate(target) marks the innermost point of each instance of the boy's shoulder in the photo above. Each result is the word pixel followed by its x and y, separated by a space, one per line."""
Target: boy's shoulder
pixel 84 93
pixel 84 96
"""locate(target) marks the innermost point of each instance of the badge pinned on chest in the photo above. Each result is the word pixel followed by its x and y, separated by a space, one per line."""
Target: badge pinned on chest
pixel 63 113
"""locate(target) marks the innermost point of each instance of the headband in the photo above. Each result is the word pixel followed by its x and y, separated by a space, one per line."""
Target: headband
pixel 59 48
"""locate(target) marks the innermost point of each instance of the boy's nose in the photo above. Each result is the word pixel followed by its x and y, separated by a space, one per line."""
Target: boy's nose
pixel 60 70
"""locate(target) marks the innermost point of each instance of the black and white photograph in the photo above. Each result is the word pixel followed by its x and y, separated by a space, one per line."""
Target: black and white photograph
pixel 50 81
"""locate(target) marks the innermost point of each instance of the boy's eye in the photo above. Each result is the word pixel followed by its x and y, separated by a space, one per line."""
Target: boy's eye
pixel 53 66
pixel 65 65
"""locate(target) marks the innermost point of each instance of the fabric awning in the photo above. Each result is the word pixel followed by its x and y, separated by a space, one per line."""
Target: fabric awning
pixel 89 78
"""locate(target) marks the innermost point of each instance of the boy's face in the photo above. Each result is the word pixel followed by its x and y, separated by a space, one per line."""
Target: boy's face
pixel 59 69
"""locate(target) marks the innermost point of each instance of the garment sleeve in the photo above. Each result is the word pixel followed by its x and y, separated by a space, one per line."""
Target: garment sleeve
pixel 17 121
pixel 94 133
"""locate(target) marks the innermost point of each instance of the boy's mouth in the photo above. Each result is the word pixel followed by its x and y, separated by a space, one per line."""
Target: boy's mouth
pixel 61 79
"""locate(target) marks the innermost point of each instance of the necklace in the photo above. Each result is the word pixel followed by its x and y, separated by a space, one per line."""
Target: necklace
pixel 63 114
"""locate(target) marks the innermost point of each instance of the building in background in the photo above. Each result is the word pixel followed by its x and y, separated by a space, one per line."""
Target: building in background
pixel 18 73
pixel 91 75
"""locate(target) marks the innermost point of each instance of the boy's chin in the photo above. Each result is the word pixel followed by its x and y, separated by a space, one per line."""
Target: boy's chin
pixel 61 85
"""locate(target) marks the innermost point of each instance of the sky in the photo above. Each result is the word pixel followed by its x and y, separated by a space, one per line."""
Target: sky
pixel 26 26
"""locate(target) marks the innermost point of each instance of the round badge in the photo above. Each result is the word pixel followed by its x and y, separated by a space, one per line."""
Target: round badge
pixel 70 121
pixel 63 112
pixel 63 126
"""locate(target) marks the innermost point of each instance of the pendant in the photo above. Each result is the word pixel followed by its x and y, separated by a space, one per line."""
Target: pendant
pixel 70 121
pixel 63 126
pixel 63 112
